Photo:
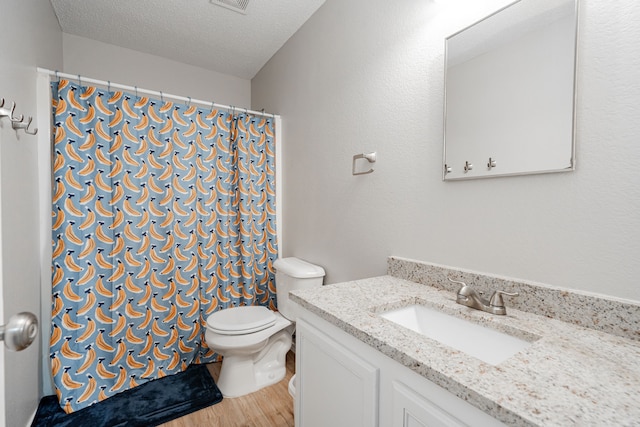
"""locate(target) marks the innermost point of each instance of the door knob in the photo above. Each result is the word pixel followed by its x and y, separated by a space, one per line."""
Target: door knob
pixel 20 332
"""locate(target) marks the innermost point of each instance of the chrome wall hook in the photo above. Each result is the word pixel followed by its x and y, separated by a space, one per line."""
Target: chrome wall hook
pixel 24 126
pixel 371 158
pixel 9 113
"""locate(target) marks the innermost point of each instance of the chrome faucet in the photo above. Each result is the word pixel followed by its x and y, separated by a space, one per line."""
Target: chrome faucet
pixel 469 297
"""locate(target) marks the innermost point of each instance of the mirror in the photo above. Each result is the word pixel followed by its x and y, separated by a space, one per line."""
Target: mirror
pixel 509 92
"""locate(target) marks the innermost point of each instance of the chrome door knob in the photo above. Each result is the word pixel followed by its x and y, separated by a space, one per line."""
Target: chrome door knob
pixel 20 332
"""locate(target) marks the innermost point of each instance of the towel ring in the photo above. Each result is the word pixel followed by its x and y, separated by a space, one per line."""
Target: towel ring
pixel 371 158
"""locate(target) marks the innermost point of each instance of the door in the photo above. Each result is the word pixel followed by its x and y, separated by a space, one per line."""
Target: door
pixel 19 270
pixel 335 386
pixel 2 414
pixel 411 409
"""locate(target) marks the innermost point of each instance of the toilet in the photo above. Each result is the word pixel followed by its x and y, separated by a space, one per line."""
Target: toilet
pixel 254 340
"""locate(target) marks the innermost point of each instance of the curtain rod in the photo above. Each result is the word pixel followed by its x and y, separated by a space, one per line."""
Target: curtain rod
pixel 151 92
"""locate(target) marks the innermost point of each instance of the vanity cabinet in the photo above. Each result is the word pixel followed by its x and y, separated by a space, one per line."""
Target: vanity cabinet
pixel 342 382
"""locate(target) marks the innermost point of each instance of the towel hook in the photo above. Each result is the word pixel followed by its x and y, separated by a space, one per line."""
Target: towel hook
pixel 9 113
pixel 16 121
pixel 371 158
pixel 25 126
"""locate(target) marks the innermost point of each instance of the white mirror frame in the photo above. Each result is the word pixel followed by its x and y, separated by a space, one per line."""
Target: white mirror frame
pixel 480 162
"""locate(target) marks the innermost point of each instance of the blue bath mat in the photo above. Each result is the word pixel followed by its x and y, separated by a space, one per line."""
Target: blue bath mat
pixel 150 404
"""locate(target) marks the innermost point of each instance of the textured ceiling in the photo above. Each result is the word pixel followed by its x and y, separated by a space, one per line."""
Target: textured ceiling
pixel 194 32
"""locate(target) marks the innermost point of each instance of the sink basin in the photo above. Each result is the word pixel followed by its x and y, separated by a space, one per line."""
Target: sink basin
pixel 484 343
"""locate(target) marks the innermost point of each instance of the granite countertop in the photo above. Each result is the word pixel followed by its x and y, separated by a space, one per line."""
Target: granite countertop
pixel 570 375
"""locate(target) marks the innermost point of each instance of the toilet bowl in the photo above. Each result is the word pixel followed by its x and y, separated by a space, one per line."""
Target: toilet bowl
pixel 253 356
pixel 254 340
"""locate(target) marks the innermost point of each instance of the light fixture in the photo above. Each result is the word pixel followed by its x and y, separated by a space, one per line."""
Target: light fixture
pixel 239 6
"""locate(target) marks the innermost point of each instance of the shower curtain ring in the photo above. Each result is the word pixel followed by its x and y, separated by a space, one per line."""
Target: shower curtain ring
pixel 57 76
pixel 79 80
pixel 136 87
pixel 189 102
pixel 108 85
pixel 212 105
pixel 161 97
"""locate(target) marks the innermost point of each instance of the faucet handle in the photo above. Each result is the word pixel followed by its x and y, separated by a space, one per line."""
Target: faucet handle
pixel 464 285
pixel 457 281
pixel 496 298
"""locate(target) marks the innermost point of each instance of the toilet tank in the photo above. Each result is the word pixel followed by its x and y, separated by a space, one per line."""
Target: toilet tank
pixel 291 274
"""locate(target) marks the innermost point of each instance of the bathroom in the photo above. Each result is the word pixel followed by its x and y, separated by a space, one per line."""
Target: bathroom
pixel 363 76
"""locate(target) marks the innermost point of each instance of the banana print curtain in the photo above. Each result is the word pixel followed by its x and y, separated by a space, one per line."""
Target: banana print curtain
pixel 162 214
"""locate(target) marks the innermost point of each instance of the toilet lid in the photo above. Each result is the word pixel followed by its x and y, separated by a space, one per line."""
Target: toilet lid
pixel 241 320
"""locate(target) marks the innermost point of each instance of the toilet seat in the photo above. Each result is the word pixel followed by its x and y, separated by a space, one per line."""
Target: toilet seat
pixel 255 340
pixel 241 320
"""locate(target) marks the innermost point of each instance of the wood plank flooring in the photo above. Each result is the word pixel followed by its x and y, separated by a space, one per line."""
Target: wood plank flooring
pixel 270 407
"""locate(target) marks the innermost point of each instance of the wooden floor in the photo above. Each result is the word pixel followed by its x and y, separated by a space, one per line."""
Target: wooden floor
pixel 270 407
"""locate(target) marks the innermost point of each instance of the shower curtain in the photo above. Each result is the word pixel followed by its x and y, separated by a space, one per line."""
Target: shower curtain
pixel 162 214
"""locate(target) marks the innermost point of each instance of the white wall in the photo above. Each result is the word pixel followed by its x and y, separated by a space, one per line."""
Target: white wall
pixel 32 38
pixel 116 64
pixel 367 75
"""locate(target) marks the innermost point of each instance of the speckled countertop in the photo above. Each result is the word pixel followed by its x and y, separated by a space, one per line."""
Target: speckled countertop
pixel 570 375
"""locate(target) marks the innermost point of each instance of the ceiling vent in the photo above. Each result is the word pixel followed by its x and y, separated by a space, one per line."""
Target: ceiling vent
pixel 239 6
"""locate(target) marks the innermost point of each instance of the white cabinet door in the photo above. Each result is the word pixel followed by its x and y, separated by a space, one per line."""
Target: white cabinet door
pixel 410 409
pixel 2 385
pixel 336 387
